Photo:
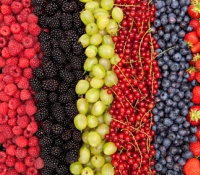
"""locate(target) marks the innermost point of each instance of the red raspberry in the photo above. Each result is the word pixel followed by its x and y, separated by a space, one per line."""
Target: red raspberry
pixel 27 133
pixel 34 63
pixel 32 127
pixel 21 153
pixel 4 97
pixel 26 3
pixel 17 130
pixel 3 168
pixel 19 37
pixel 10 89
pixel 17 94
pixel 5 31
pixel 5 9
pixel 39 163
pixel 10 161
pixel 25 94
pixel 16 7
pixel 9 19
pixel 32 18
pixel 6 1
pixel 8 79
pixel 21 110
pixel 34 151
pixel 25 26
pixel 12 113
pixel 29 53
pixel 15 71
pixel 5 52
pixel 31 109
pixel 23 83
pixel 1 18
pixel 12 122
pixel 37 47
pixel 3 119
pixel 22 17
pixel 33 141
pixel 14 103
pixel 21 141
pixel 2 138
pixel 3 156
pixel 29 161
pixel 13 61
pixel 3 43
pixel 31 171
pixel 11 150
pixel 28 73
pixel 23 121
pixel 15 47
pixel 2 61
pixel 20 167
pixel 28 42
pixel 7 131
pixel 15 28
pixel 3 108
pixel 12 172
pixel 2 85
pixel 34 29
pixel 23 62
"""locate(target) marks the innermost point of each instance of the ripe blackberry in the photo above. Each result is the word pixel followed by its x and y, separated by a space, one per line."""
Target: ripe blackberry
pixel 46 171
pixel 72 127
pixel 66 135
pixel 55 43
pixel 78 75
pixel 71 110
pixel 41 114
pixel 81 5
pixel 38 10
pixel 57 128
pixel 65 98
pixel 69 6
pixel 47 125
pixel 77 48
pixel 76 63
pixel 62 159
pixel 67 76
pixel 67 21
pixel 38 72
pixel 51 8
pixel 41 96
pixel 51 161
pixel 58 55
pixel 45 150
pixel 77 23
pixel 42 104
pixel 50 69
pixel 72 156
pixel 58 112
pixel 71 35
pixel 57 34
pixel 59 2
pixel 46 141
pixel 50 84
pixel 40 3
pixel 35 84
pixel 53 97
pixel 65 45
pixel 53 22
pixel 73 94
pixel 80 31
pixel 40 133
pixel 68 67
pixel 77 136
pixel 58 142
pixel 71 145
pixel 44 36
pixel 66 121
pixel 62 169
pixel 63 87
pixel 46 48
pixel 45 59
pixel 58 14
pixel 42 21
pixel 56 151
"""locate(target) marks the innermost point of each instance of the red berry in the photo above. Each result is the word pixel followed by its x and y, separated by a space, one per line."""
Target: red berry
pixel 15 47
pixel 33 141
pixel 25 26
pixel 34 29
pixel 22 121
pixel 5 9
pixel 12 122
pixel 6 1
pixel 23 83
pixel 3 108
pixel 11 150
pixel 23 62
pixel 28 42
pixel 28 73
pixel 32 18
pixel 22 17
pixel 15 28
pixel 26 3
pixel 21 152
pixel 14 103
pixel 9 19
pixel 29 161
pixel 21 141
pixel 3 156
pixel 34 151
pixel 27 133
pixel 16 7
pixel 25 94
pixel 34 63
pixel 31 109
pixel 30 54
pixel 3 119
pixel 19 37
pixel 10 89
pixel 10 161
pixel 3 43
pixel 12 61
pixel 3 168
pixel 17 130
pixel 20 167
pixel 5 52
pixel 12 172
pixel 39 163
pixel 31 171
pixel 5 31
pixel 7 131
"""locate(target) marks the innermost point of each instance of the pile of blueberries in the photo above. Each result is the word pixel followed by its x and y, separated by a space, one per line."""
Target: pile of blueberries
pixel 173 131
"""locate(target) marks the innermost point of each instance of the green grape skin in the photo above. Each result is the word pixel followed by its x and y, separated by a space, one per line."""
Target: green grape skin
pixel 91 51
pixel 96 83
pixel 100 12
pixel 92 95
pixel 80 121
pixel 106 51
pixel 105 63
pixel 102 130
pixel 92 121
pixel 98 71
pixel 110 79
pixel 97 150
pixel 91 29
pixel 76 168
pixel 87 171
pixel 115 59
pixel 82 106
pixel 108 159
pixel 87 17
pixel 85 1
pixel 82 87
pixel 100 119
pixel 107 4
pixel 107 169
pixel 109 148
pixel 96 39
pixel 107 118
pixel 85 137
pixel 89 63
pixel 89 164
pixel 84 40
pixel 117 14
pixel 91 6
pixel 98 161
pixel 106 98
pixel 112 27
pixel 107 39
pixel 94 139
pixel 84 153
pixel 98 108
pixel 102 22
pixel 103 32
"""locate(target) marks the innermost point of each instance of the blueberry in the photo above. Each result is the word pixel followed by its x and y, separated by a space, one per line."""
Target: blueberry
pixel 161 43
pixel 181 161
pixel 184 112
pixel 183 45
pixel 174 4
pixel 172 19
pixel 187 2
pixel 168 9
pixel 189 28
pixel 173 150
pixel 163 96
pixel 168 2
pixel 167 122
pixel 162 161
pixel 176 157
pixel 166 83
pixel 163 9
pixel 159 4
pixel 174 67
pixel 155 111
pixel 171 90
pixel 186 124
pixel 161 113
pixel 172 77
pixel 166 36
pixel 179 19
pixel 174 37
pixel 156 36
pixel 190 104
pixel 193 129
pixel 169 102
pixel 186 139
pixel 182 2
pixel 184 9
pixel 194 83
pixel 157 23
pixel 188 57
pixel 161 62
pixel 161 127
pixel 160 105
pixel 177 57
pixel 177 11
pixel 192 138
pixel 180 119
pixel 167 109
pixel 182 132
pixel 185 147
pixel 165 73
pixel 181 34
pixel 158 167
pixel 157 156
pixel 156 118
pixel 166 143
pixel 184 87
pixel 176 98
pixel 160 33
pixel 187 154
pixel 164 170
pixel 183 24
pixel 182 13
pixel 177 28
pixel 174 128
pixel 167 28
pixel 186 75
pixel 163 150
pixel 186 19
pixel 164 20
pixel 154 127
pixel 169 166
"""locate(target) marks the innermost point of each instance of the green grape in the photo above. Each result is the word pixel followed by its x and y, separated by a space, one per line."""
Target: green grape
pixel 107 169
pixel 115 59
pixel 89 62
pixel 110 79
pixel 87 171
pixel 89 164
pixel 91 51
pixel 99 173
pixel 100 119
pixel 106 51
pixel 80 121
pixel 105 97
pixel 98 161
pixel 94 139
pixel 107 4
pixel 87 17
pixel 98 71
pixel 98 149
pixel 91 75
pixel 100 12
pixel 96 39
pixel 102 22
pixel 82 86
pixel 107 158
pixel 84 40
pixel 91 29
pixel 76 168
pixel 105 63
pixel 92 121
pixel 112 27
pixel 84 1
pixel 90 107
pixel 98 108
pixel 84 153
pixel 107 118
pixel 96 83
pixel 109 148
pixel 107 39
pixel 117 14
pixel 85 136
pixel 92 95
pixel 103 32
pixel 82 106
pixel 91 6
pixel 102 130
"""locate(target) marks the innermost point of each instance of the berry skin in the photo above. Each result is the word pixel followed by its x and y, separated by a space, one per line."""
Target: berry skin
pixel 5 9
pixel 191 38
pixel 29 53
pixel 3 156
pixel 3 168
pixel 194 23
pixel 12 172
pixel 33 141
pixel 21 141
pixel 39 163
pixel 23 63
pixel 192 167
pixel 28 42
pixel 7 2
pixel 193 12
pixel 21 152
pixel 32 127
pixel 15 28
pixel 31 171
pixel 14 103
pixel 34 29
pixel 25 94
pixel 196 95
pixel 17 130
pixel 5 31
pixel 15 48
pixel 20 167
pixel 30 109
pixel 197 64
pixel 11 150
pixel 29 161
pixel 10 89
pixel 195 148
pixel 32 18
pixel 10 161
pixel 197 75
pixel 23 121
pixel 23 83
pixel 34 151
pixel 16 7
pixel 198 133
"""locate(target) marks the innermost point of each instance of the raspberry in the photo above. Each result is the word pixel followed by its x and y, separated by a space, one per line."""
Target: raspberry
pixel 17 130
pixel 12 172
pixel 3 156
pixel 3 119
pixel 29 161
pixel 32 127
pixel 14 103
pixel 21 153
pixel 1 18
pixel 10 161
pixel 3 108
pixel 31 109
pixel 31 171
pixel 21 141
pixel 20 167
pixel 11 150
pixel 22 17
pixel 12 113
pixel 7 132
pixel 8 79
pixel 39 163
pixel 23 83
pixel 12 122
pixel 6 1
pixel 34 29
pixel 15 28
pixel 5 52
pixel 17 94
pixel 2 138
pixel 3 43
pixel 5 9
pixel 32 18
pixel 2 85
pixel 37 47
pixel 34 63
pixel 29 53
pixel 33 141
pixel 9 19
pixel 25 94
pixel 27 133
pixel 34 151
pixel 23 121
pixel 28 42
pixel 23 62
pixel 10 89
pixel 28 73
pixel 5 31
pixel 12 61
pixel 26 3
pixel 15 47
pixel 19 37
pixel 4 97
pixel 16 7
pixel 15 71
pixel 21 110
pixel 3 168
pixel 25 26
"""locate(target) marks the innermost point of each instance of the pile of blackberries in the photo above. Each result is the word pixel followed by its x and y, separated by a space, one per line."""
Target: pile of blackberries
pixel 54 83
pixel 173 131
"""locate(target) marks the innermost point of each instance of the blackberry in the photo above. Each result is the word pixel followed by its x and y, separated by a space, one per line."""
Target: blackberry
pixel 78 75
pixel 40 3
pixel 67 76
pixel 42 104
pixel 57 34
pixel 73 85
pixel 77 48
pixel 58 15
pixel 55 43
pixel 53 97
pixel 58 142
pixel 71 110
pixel 35 84
pixel 43 22
pixel 39 73
pixel 41 96
pixel 77 136
pixel 58 55
pixel 62 169
pixel 50 69
pixel 65 45
pixel 58 112
pixel 47 125
pixel 66 135
pixel 80 31
pixel 59 2
pixel 57 128
pixel 46 141
pixel 76 63
pixel 72 156
pixel 51 8
pixel 66 121
pixel 56 151
pixel 77 23
pixel 73 94
pixel 71 35
pixel 40 133
pixel 68 67
pixel 65 98
pixel 51 161
pixel 50 84
pixel 62 159
pixel 69 6
pixel 71 145
pixel 38 10
pixel 45 150
pixel 72 127
pixel 46 171
pixel 53 22
pixel 66 21
pixel 46 48
pixel 63 87
pixel 81 5
pixel 41 114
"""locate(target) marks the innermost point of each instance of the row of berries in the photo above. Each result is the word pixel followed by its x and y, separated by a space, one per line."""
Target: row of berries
pixel 20 53
pixel 55 80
